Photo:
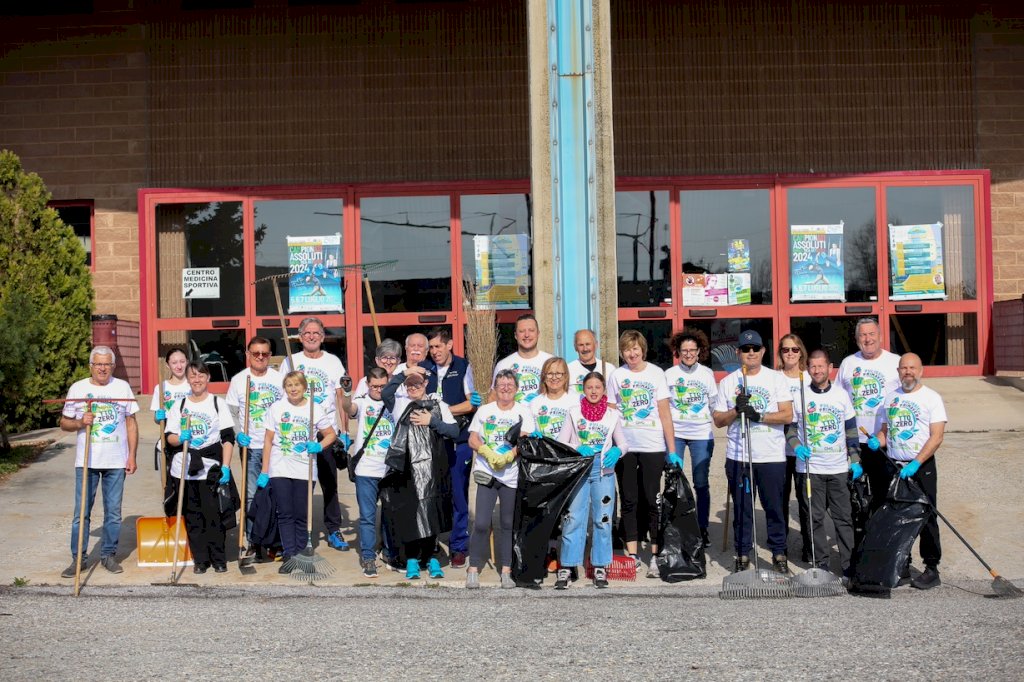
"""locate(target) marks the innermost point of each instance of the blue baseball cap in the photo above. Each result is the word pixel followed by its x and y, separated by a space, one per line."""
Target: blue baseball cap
pixel 751 338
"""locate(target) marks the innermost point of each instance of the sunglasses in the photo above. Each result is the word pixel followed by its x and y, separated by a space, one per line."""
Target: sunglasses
pixel 789 349
pixel 749 349
pixel 259 354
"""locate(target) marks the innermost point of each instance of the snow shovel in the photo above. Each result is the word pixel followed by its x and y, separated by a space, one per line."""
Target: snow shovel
pixel 156 545
pixel 245 557
pixel 179 521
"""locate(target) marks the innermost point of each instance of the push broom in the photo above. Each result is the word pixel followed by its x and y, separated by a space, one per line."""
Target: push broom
pixel 753 583
pixel 814 582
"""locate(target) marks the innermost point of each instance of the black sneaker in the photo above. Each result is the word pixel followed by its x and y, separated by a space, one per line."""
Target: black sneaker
pixel 742 564
pixel 369 567
pixel 781 564
pixel 69 572
pixel 705 539
pixel 562 581
pixel 220 568
pixel 928 579
pixel 111 564
pixel 600 577
pixel 285 568
pixel 199 569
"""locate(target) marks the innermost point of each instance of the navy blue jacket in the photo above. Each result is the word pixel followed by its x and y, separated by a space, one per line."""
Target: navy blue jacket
pixel 452 390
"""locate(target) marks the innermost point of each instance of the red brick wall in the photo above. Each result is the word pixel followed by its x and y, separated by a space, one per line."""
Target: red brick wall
pixel 999 78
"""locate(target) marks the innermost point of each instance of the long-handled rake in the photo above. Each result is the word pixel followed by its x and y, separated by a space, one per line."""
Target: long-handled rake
pixel 245 558
pixel 81 505
pixel 307 566
pixel 753 583
pixel 1000 585
pixel 815 581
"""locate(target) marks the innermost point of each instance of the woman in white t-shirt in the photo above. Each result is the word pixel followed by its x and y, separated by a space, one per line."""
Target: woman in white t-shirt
pixel 496 475
pixel 792 362
pixel 639 392
pixel 205 423
pixel 170 391
pixel 291 443
pixel 596 432
pixel 551 406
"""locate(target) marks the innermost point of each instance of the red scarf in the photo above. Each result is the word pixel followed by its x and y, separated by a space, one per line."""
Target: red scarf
pixel 593 411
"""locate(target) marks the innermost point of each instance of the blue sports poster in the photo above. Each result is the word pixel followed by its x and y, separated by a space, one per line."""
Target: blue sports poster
pixel 816 265
pixel 314 280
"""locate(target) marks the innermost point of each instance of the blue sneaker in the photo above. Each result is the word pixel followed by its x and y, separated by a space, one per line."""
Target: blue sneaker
pixel 412 569
pixel 435 569
pixel 337 542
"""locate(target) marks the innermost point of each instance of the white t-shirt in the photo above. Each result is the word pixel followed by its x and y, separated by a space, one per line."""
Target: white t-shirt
pixel 206 423
pixel 527 371
pixel 290 424
pixel 794 393
pixel 491 423
pixel 637 394
pixel 826 429
pixel 172 393
pixel 371 464
pixel 768 389
pixel 109 446
pixel 577 371
pixel 908 417
pixel 601 435
pixel 868 382
pixel 264 392
pixel 550 415
pixel 692 398
pixel 322 373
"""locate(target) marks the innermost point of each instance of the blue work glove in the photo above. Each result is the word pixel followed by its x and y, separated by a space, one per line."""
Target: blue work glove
pixel 185 435
pixel 910 468
pixel 537 434
pixel 586 450
pixel 225 475
pixel 803 452
pixel 856 470
pixel 243 440
pixel 674 459
pixel 475 400
pixel 345 439
pixel 874 443
pixel 313 447
pixel 299 447
pixel 160 415
pixel 262 481
pixel 611 457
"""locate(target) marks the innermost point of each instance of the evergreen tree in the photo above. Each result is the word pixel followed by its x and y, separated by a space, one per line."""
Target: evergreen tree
pixel 46 299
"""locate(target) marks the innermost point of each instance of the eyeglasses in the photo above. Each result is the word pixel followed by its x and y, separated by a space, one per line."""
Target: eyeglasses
pixel 102 365
pixel 555 374
pixel 688 351
pixel 749 349
pixel 374 387
pixel 388 358
pixel 789 349
pixel 259 354
pixel 312 334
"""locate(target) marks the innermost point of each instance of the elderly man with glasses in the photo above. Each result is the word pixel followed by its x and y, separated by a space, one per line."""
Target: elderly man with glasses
pixel 761 395
pixel 323 372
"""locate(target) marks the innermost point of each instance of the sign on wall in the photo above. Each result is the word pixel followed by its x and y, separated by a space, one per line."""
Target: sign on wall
pixel 915 255
pixel 200 283
pixel 816 263
pixel 502 270
pixel 314 280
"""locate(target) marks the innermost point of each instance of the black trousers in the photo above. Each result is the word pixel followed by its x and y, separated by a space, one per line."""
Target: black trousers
pixel 422 550
pixel 202 523
pixel 928 478
pixel 639 475
pixel 327 475
pixel 802 510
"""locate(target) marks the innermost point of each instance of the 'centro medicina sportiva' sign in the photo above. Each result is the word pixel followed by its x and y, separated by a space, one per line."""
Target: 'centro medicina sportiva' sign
pixel 200 283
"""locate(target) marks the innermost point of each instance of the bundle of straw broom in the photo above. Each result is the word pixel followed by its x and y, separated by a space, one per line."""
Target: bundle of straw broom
pixel 481 338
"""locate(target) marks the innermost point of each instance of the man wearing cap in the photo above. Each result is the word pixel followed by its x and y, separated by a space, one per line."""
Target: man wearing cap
pixel 762 397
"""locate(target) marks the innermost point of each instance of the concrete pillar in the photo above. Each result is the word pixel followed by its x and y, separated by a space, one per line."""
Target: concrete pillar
pixel 572 172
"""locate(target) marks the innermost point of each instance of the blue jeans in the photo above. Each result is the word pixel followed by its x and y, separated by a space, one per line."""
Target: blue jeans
pixel 595 502
pixel 460 459
pixel 700 460
pixel 367 494
pixel 112 481
pixel 769 479
pixel 254 467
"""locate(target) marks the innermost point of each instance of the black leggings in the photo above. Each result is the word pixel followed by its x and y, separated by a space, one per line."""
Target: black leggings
pixel 639 472
pixel 479 548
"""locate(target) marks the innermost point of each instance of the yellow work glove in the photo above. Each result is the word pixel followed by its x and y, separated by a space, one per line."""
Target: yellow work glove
pixel 494 459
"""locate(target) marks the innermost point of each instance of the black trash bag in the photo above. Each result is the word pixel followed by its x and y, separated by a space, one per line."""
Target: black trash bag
pixel 550 475
pixel 889 537
pixel 682 550
pixel 416 491
pixel 230 503
pixel 860 504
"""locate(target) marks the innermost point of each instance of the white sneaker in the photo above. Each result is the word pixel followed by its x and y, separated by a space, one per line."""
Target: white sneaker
pixel 472 580
pixel 506 581
pixel 652 568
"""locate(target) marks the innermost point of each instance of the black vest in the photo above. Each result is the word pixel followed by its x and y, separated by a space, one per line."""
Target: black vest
pixel 452 389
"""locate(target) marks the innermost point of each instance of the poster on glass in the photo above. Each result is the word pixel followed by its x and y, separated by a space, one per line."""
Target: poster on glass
pixel 915 257
pixel 314 278
pixel 816 265
pixel 502 271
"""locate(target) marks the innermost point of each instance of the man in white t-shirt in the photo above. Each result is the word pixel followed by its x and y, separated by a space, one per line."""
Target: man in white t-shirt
pixel 101 409
pixel 763 398
pixel 526 362
pixel 868 376
pixel 323 372
pixel 825 443
pixel 913 423
pixel 265 389
pixel 587 361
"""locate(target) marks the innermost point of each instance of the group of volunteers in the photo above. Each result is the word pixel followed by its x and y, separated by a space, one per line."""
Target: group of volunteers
pixel 422 430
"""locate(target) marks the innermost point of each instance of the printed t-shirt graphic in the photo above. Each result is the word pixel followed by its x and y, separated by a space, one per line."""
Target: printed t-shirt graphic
pixel 551 415
pixel 826 430
pixel 868 382
pixel 909 417
pixel 264 392
pixel 692 397
pixel 527 371
pixel 767 389
pixel 109 446
pixel 637 394
pixel 492 423
pixel 322 374
pixel 290 424
pixel 371 464
pixel 577 371
pixel 206 422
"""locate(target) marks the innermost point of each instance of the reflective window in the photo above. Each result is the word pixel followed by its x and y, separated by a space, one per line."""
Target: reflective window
pixel 833 334
pixel 726 233
pixel 931 248
pixel 416 232
pixel 496 243
pixel 79 218
pixel 940 339
pixel 831 244
pixel 642 248
pixel 223 350
pixel 278 221
pixel 204 236
pixel 724 335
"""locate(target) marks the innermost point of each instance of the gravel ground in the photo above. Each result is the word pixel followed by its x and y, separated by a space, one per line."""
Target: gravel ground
pixel 351 633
